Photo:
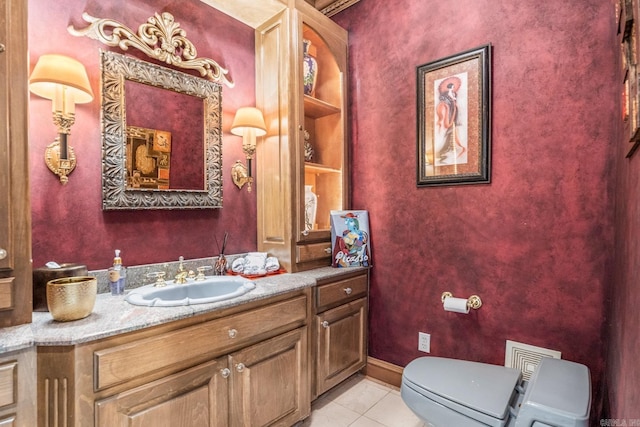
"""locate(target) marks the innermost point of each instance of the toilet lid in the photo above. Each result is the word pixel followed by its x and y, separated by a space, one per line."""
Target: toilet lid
pixel 477 390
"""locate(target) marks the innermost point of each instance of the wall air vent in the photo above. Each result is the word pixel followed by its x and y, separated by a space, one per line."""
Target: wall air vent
pixel 526 358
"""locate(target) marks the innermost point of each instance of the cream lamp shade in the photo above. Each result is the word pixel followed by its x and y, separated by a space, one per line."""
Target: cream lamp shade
pixel 247 119
pixel 53 70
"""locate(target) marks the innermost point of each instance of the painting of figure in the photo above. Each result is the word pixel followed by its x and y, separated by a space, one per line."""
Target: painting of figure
pixel 450 98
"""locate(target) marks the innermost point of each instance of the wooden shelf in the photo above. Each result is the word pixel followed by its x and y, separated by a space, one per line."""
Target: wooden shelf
pixel 318 168
pixel 316 108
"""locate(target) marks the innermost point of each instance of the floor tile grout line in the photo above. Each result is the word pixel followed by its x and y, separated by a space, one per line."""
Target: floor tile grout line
pixel 368 409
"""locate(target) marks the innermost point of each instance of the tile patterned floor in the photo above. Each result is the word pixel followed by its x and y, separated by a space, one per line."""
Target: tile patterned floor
pixel 361 402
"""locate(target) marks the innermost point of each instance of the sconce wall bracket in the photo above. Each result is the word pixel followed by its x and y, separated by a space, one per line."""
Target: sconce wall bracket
pixel 61 168
pixel 240 175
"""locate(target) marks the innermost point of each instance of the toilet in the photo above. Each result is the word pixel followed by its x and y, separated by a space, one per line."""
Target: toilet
pixel 449 392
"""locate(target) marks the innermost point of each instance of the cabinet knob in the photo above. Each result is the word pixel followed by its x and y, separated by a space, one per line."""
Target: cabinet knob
pixel 3 253
pixel 240 367
pixel 325 324
pixel 1 48
pixel 327 251
pixel 348 291
pixel 225 372
pixel 305 233
pixel 233 333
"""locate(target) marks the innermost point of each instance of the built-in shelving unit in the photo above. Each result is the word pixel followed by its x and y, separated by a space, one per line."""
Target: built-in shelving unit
pixel 283 228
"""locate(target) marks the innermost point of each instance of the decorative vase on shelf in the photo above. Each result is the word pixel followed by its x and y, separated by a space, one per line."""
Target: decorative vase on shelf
pixel 310 207
pixel 310 68
pixel 308 148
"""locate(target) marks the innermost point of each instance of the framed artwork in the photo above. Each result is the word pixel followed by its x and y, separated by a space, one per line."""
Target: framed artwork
pixel 148 158
pixel 454 119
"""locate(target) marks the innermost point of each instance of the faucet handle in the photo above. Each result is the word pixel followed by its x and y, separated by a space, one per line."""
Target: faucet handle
pixel 159 276
pixel 201 271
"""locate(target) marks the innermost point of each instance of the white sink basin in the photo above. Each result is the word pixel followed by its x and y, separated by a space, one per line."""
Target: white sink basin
pixel 212 289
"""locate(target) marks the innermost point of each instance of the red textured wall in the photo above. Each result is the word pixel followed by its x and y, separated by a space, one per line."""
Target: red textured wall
pixel 536 244
pixel 68 222
pixel 623 373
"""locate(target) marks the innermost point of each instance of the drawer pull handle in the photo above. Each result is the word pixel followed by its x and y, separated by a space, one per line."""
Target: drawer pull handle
pixel 233 333
pixel 327 251
pixel 225 372
pixel 1 48
pixel 348 291
pixel 325 324
pixel 240 367
pixel 305 233
pixel 3 253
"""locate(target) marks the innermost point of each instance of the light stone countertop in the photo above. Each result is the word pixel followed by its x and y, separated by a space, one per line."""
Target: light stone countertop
pixel 112 315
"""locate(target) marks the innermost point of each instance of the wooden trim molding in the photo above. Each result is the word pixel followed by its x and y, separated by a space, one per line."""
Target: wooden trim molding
pixel 337 6
pixel 383 371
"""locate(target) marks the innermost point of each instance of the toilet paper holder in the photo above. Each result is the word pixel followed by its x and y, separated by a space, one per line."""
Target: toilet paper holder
pixel 473 301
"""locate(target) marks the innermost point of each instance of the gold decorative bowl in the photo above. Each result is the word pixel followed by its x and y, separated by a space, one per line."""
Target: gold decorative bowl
pixel 71 298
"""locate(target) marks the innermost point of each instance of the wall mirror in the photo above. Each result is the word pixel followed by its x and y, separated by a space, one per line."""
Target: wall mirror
pixel 161 128
pixel 161 137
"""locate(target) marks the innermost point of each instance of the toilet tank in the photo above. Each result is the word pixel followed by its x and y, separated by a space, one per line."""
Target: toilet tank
pixel 559 394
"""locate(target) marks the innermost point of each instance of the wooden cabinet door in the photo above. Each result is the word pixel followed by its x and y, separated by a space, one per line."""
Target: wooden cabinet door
pixel 196 397
pixel 341 343
pixel 17 389
pixel 15 211
pixel 269 382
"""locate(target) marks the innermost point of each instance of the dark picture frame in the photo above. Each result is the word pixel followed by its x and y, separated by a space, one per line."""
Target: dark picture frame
pixel 454 119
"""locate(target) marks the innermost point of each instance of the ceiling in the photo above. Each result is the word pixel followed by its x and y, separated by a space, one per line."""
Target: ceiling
pixel 254 15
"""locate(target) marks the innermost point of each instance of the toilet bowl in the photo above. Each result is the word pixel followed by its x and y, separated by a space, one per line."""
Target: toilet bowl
pixel 449 392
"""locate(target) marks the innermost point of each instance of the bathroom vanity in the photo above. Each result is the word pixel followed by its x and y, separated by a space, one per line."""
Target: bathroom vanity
pixel 257 360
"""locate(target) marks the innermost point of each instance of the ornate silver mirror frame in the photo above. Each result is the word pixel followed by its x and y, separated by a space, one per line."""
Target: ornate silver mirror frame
pixel 160 38
pixel 116 69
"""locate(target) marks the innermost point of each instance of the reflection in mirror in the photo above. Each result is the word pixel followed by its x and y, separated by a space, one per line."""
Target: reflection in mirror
pixel 161 137
pixel 170 118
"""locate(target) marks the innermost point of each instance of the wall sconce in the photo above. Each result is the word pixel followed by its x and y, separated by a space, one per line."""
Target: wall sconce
pixel 64 80
pixel 248 123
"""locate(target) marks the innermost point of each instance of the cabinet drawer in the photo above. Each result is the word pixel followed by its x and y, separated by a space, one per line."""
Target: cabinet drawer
pixel 340 292
pixel 314 251
pixel 8 376
pixel 6 293
pixel 185 346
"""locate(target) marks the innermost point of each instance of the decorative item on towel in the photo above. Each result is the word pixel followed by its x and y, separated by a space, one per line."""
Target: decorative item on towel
pixel 255 264
pixel 350 242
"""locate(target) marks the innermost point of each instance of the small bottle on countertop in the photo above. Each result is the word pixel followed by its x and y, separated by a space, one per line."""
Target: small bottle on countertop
pixel 117 275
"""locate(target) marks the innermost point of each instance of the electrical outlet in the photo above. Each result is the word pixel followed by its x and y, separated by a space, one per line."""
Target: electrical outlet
pixel 424 342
